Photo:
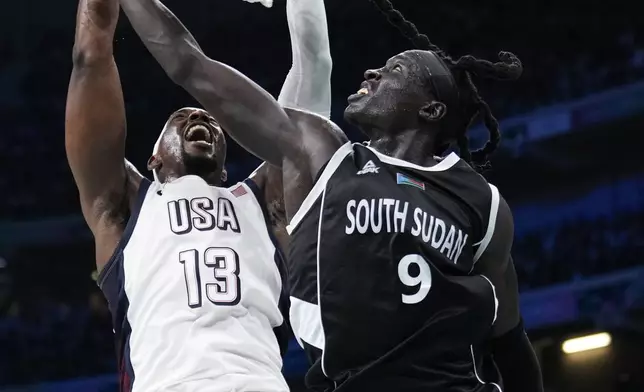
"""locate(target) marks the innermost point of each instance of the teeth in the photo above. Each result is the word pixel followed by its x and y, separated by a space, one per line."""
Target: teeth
pixel 195 127
pixel 363 91
pixel 198 128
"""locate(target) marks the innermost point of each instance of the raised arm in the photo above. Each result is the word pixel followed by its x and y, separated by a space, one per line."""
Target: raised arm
pixel 95 125
pixel 509 344
pixel 245 110
pixel 95 114
pixel 308 83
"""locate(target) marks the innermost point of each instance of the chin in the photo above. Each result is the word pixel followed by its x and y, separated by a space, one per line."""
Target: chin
pixel 199 160
pixel 359 117
pixel 352 114
pixel 198 154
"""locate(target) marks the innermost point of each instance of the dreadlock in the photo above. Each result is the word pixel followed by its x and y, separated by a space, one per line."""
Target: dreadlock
pixel 509 68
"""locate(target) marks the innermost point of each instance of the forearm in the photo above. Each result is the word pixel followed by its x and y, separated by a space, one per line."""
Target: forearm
pixel 95 25
pixel 247 112
pixel 517 361
pixel 95 113
pixel 308 84
pixel 165 37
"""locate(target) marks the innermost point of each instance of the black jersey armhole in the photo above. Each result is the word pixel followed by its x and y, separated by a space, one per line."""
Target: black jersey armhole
pixel 127 233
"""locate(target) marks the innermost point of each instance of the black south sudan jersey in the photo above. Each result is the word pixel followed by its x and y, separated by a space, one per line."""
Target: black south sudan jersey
pixel 383 294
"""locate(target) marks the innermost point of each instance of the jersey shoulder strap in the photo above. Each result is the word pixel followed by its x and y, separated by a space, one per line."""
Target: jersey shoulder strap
pixel 320 184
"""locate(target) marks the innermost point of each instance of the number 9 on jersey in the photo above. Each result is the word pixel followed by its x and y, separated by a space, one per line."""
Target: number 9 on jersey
pixel 422 282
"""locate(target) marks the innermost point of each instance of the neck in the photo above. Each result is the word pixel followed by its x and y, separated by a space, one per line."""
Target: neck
pixel 213 179
pixel 412 145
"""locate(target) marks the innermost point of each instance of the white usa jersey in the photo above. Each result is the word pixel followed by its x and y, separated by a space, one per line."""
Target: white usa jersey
pixel 195 288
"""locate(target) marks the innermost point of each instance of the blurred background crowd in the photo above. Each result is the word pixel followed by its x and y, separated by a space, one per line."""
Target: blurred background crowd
pixel 570 163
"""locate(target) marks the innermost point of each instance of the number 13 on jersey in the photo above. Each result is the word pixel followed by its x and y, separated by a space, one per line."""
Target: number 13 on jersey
pixel 223 287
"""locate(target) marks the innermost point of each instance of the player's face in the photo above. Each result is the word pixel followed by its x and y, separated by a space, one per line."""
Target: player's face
pixel 391 97
pixel 193 143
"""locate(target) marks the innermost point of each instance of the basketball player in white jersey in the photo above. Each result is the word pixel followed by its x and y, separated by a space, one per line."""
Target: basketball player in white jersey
pixel 193 279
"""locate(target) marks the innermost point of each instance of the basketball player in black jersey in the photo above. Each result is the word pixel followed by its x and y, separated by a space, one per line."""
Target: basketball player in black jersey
pixel 400 261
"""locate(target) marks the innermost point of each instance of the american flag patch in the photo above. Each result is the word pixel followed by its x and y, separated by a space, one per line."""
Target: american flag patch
pixel 239 191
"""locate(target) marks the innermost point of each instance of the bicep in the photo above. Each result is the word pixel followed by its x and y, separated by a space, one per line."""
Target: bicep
pixel 496 264
pixel 95 136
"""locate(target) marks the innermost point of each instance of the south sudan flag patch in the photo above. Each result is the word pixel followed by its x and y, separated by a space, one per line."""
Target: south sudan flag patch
pixel 402 179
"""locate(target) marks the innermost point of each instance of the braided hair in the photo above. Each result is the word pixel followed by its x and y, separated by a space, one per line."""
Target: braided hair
pixel 509 68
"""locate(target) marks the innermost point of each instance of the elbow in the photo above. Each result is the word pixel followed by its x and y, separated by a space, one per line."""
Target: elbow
pixel 323 66
pixel 180 74
pixel 90 55
pixel 325 63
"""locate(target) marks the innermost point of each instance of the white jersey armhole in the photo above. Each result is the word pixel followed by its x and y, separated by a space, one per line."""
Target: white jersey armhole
pixel 494 210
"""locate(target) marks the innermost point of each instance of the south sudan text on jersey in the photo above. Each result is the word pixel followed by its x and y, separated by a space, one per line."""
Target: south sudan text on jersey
pixel 396 216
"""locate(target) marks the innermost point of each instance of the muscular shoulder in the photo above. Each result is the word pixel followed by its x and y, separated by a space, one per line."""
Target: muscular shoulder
pixel 320 138
pixel 319 125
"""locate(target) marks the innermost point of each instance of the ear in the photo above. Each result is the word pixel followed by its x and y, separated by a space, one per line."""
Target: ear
pixel 224 176
pixel 154 162
pixel 433 111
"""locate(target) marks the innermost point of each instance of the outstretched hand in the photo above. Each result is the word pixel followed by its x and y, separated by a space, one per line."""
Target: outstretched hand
pixel 265 3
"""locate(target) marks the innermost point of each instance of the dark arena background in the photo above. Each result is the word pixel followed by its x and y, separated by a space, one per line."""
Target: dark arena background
pixel 571 167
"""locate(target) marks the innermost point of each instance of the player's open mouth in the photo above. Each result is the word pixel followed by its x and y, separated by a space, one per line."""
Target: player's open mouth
pixel 364 90
pixel 199 134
